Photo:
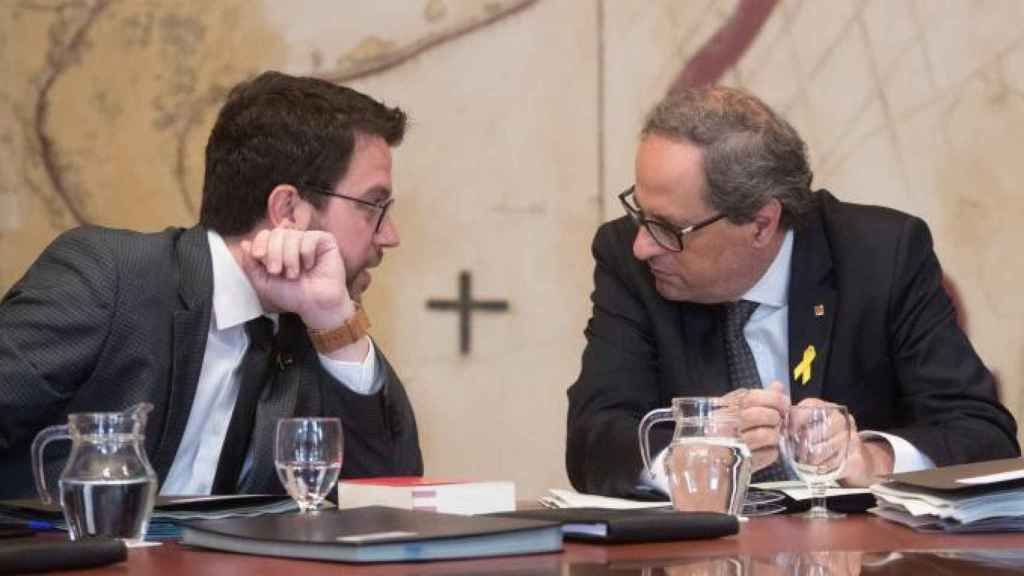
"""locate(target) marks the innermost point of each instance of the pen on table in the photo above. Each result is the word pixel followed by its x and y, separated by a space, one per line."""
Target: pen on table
pixel 30 524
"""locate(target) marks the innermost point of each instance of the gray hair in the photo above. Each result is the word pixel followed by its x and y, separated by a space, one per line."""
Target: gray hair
pixel 751 154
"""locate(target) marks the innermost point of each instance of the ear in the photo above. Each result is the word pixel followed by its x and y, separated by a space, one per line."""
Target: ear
pixel 766 223
pixel 287 209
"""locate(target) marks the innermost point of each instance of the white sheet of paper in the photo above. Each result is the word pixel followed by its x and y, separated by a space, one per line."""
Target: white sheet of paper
pixel 804 493
pixel 570 499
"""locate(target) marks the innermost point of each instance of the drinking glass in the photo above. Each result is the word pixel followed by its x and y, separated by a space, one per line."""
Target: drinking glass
pixel 815 442
pixel 307 455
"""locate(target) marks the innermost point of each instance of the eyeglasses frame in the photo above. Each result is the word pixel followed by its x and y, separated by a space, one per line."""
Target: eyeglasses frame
pixel 383 206
pixel 641 219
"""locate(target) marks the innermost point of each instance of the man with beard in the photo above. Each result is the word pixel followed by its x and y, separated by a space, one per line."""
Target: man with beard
pixel 250 316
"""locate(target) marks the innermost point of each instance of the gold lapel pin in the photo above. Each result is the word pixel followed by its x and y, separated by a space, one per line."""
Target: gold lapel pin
pixel 819 310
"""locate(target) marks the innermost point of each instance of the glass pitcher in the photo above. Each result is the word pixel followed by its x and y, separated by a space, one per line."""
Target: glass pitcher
pixel 107 487
pixel 707 463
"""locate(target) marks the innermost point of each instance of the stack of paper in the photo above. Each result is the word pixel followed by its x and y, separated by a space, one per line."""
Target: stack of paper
pixel 168 513
pixel 171 511
pixel 985 497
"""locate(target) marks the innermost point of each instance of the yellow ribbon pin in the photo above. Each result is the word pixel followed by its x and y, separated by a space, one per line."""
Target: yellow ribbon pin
pixel 802 372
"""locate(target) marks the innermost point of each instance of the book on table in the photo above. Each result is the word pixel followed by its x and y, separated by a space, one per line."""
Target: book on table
pixel 633 525
pixel 376 534
pixel 419 493
pixel 980 497
pixel 168 512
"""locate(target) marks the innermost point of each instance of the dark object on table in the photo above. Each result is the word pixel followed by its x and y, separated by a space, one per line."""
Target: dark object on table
pixel 375 534
pixel 42 555
pixel 644 525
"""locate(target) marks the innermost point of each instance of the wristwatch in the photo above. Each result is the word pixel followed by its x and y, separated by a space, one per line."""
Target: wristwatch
pixel 327 341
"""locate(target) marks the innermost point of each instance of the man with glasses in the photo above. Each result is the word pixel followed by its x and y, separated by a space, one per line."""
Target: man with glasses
pixel 251 316
pixel 728 272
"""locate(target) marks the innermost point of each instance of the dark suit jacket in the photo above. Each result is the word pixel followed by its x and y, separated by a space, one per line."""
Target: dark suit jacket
pixel 888 346
pixel 107 318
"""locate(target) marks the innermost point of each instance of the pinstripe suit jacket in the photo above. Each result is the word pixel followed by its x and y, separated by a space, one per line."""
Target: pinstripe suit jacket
pixel 108 318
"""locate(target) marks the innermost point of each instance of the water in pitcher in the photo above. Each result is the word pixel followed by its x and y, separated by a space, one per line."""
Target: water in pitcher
pixel 708 474
pixel 118 509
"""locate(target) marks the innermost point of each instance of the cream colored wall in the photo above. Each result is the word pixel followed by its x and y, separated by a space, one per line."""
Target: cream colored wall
pixel 524 120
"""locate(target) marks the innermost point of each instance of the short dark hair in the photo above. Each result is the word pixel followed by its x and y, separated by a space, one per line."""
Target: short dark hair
pixel 751 154
pixel 279 129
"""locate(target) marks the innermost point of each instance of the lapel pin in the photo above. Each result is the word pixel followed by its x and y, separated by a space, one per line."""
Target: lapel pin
pixel 284 360
pixel 802 372
pixel 819 310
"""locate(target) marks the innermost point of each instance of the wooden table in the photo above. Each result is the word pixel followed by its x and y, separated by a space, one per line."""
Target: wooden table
pixel 768 545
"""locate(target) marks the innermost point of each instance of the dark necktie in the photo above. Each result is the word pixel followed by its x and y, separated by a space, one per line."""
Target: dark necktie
pixel 743 369
pixel 253 375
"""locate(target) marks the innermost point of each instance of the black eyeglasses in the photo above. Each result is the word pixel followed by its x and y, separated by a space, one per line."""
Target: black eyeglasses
pixel 382 206
pixel 667 236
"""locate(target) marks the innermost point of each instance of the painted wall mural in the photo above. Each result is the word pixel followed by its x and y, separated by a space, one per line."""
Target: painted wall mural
pixel 524 121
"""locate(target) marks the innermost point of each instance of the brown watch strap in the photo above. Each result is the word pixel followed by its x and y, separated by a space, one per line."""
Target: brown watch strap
pixel 327 341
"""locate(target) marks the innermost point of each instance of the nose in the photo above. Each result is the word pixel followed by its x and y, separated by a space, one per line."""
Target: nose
pixel 644 246
pixel 387 235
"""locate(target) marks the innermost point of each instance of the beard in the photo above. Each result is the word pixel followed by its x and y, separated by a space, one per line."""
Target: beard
pixel 358 285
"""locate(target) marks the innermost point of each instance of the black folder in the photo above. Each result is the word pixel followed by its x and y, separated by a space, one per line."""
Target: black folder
pixel 622 526
pixel 951 478
pixel 375 534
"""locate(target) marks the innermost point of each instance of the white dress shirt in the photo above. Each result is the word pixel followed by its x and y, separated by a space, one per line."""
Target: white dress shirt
pixel 234 303
pixel 767 334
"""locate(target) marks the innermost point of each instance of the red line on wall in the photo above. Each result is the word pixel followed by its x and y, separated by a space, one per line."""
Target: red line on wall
pixel 725 47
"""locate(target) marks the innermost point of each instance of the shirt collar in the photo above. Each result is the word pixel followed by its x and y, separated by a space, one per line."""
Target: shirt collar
pixel 773 287
pixel 234 300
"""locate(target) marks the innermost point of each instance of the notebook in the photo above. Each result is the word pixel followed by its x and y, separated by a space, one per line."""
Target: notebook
pixel 619 526
pixel 993 474
pixel 375 534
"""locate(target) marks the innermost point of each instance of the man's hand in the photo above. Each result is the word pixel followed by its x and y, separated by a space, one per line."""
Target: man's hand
pixel 301 272
pixel 866 460
pixel 761 413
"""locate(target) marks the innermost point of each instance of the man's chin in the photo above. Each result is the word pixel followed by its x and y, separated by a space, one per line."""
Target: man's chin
pixel 358 285
pixel 673 291
pixel 668 290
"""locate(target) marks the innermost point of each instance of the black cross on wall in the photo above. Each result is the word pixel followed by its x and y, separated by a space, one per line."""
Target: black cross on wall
pixel 465 306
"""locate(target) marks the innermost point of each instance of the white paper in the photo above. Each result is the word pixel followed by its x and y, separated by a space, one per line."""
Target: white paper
pixel 569 499
pixel 797 490
pixel 804 493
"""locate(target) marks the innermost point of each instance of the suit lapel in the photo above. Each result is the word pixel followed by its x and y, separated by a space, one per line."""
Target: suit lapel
pixel 812 311
pixel 704 345
pixel 191 327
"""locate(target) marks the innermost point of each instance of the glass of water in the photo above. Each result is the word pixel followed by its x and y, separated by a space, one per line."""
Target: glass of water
pixel 307 454
pixel 815 440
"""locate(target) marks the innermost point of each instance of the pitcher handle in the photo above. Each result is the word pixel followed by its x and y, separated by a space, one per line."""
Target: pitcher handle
pixel 45 436
pixel 650 419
